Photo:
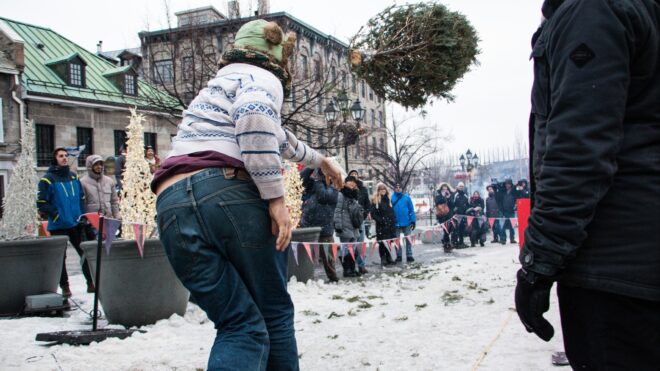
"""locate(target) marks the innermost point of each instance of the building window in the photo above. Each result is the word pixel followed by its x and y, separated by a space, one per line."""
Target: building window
pixel 130 84
pixel 305 97
pixel 305 66
pixel 333 74
pixel 371 94
pixel 187 68
pixel 84 137
pixel 373 117
pixel 380 118
pixel 163 72
pixel 353 84
pixel 120 140
pixel 45 135
pixel 76 74
pixel 319 104
pixel 363 89
pixel 382 145
pixel 373 146
pixel 343 79
pixel 150 140
pixel 2 124
pixel 318 70
pixel 357 148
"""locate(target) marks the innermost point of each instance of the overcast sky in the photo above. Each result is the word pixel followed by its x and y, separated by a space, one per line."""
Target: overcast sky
pixel 492 102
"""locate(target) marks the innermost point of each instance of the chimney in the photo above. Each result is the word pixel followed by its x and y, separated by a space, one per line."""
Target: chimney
pixel 99 47
pixel 263 7
pixel 233 9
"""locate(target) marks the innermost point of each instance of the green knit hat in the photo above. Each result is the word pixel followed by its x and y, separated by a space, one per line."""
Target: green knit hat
pixel 262 36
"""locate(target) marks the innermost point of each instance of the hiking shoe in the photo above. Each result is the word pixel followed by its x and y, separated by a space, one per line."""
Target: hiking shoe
pixel 410 259
pixel 363 270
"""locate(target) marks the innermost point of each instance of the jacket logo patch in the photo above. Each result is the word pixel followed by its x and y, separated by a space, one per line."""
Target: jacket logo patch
pixel 582 55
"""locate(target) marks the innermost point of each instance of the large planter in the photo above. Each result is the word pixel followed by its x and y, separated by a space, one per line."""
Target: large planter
pixel 137 291
pixel 29 267
pixel 304 269
pixel 430 235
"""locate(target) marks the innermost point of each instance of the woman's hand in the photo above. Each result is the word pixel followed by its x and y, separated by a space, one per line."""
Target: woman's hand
pixel 332 173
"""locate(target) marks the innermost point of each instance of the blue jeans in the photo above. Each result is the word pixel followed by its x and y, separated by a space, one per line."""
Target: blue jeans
pixel 360 262
pixel 507 226
pixel 406 232
pixel 217 235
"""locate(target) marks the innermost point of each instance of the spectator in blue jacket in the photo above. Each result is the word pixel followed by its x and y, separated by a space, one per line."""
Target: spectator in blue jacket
pixel 404 212
pixel 61 199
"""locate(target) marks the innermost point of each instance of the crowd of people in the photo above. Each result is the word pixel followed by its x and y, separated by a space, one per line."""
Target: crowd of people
pixel 347 213
pixel 63 199
pixel 500 204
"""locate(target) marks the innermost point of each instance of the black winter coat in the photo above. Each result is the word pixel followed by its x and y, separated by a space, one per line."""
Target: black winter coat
pixel 461 203
pixel 595 153
pixel 383 215
pixel 439 200
pixel 363 198
pixel 319 208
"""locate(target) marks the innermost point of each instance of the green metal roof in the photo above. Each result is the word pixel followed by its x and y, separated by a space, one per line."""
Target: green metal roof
pixel 62 59
pixel 117 70
pixel 43 47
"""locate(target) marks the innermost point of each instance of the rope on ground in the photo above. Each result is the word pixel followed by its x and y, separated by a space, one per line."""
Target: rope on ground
pixel 485 352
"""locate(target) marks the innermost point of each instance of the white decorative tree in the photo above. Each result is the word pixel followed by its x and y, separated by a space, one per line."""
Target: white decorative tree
pixel 293 192
pixel 20 219
pixel 138 203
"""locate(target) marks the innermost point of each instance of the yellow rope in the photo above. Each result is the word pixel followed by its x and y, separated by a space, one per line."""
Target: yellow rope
pixel 487 350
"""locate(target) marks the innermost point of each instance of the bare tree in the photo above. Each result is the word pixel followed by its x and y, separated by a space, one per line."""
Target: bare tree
pixel 409 148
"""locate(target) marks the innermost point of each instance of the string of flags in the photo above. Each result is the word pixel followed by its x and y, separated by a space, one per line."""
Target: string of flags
pixel 353 248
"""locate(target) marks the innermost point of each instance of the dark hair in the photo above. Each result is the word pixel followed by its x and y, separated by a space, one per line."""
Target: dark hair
pixel 59 149
pixel 350 179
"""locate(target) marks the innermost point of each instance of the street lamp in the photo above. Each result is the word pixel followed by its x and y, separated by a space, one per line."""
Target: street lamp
pixel 350 131
pixel 431 206
pixel 469 162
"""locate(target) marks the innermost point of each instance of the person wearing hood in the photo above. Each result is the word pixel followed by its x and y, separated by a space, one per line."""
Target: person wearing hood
pixel 318 211
pixel 347 220
pixel 404 211
pixel 100 194
pixel 60 197
pixel 460 203
pixel 493 212
pixel 383 214
pixel 363 200
pixel 444 204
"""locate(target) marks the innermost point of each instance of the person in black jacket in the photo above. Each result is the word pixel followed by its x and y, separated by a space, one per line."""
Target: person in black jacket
pixel 493 211
pixel 478 228
pixel 595 125
pixel 444 196
pixel 383 214
pixel 508 209
pixel 460 203
pixel 363 200
pixel 318 211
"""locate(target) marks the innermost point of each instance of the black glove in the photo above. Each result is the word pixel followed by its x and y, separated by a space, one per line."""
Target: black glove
pixel 532 300
pixel 412 226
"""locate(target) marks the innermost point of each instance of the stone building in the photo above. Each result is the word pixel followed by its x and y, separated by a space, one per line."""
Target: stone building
pixel 182 59
pixel 74 97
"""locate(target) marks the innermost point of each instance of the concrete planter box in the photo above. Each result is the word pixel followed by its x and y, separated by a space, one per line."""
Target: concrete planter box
pixel 430 235
pixel 304 270
pixel 137 291
pixel 29 267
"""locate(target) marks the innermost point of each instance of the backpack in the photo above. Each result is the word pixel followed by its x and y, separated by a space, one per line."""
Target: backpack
pixel 356 213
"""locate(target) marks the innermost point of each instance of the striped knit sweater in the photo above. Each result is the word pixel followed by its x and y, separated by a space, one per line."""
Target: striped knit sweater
pixel 238 115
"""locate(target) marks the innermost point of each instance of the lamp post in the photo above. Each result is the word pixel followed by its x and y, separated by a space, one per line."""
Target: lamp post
pixel 350 131
pixel 431 206
pixel 469 162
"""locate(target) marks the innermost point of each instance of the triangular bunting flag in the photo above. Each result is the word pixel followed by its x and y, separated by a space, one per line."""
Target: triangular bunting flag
pixel 317 255
pixel 93 219
pixel 326 250
pixel 110 227
pixel 469 220
pixel 334 251
pixel 374 247
pixel 363 249
pixel 294 251
pixel 480 221
pixel 44 228
pixel 428 235
pixel 514 222
pixel 491 221
pixel 444 226
pixel 350 250
pixel 140 234
pixel 397 243
pixel 309 251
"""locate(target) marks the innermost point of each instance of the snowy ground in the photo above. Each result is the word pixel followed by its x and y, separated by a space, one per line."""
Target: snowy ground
pixel 443 314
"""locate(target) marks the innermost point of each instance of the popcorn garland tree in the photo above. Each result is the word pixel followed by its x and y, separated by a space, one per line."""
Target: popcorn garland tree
pixel 20 219
pixel 293 192
pixel 138 203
